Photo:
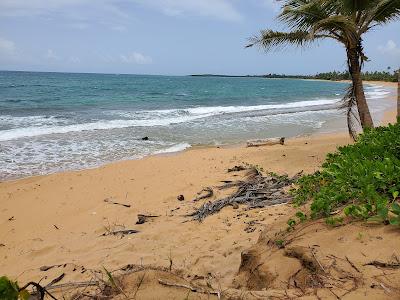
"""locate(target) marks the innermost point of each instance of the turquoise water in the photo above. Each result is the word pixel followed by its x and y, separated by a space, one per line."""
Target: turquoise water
pixel 55 121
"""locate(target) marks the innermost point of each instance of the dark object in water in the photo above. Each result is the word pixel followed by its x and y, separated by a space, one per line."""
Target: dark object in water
pixel 146 138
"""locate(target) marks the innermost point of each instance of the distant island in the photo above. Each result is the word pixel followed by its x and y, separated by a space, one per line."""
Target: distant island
pixel 334 76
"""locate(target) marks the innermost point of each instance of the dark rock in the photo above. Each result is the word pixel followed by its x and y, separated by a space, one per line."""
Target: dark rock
pixel 141 219
pixel 146 138
pixel 180 198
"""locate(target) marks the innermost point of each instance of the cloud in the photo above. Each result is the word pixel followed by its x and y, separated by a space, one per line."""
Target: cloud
pixel 51 55
pixel 136 58
pixel 390 49
pixel 34 7
pixel 7 47
pixel 74 60
pixel 217 9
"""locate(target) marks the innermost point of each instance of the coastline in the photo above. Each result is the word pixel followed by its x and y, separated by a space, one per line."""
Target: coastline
pixel 335 125
pixel 67 213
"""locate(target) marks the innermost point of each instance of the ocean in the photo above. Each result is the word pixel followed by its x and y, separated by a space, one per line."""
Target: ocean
pixel 52 122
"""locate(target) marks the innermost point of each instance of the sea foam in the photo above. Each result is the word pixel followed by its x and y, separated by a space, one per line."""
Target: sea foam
pixel 152 118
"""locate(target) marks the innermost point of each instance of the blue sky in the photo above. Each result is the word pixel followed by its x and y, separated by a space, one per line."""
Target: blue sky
pixel 171 37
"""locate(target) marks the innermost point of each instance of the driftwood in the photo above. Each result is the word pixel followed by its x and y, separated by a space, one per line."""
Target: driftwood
pixel 191 288
pixel 256 191
pixel 40 292
pixel 56 280
pixel 108 200
pixel 381 264
pixel 236 169
pixel 122 232
pixel 203 194
pixel 266 142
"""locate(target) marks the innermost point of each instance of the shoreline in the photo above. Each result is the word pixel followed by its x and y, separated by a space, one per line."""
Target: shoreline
pixel 338 128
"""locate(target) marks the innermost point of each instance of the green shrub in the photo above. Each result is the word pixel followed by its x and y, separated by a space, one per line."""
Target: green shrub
pixel 364 176
pixel 9 290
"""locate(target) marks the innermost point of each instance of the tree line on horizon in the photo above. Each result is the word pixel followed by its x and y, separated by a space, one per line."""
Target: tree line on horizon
pixel 337 76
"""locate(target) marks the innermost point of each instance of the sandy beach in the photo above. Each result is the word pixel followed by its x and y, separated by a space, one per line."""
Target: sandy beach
pixel 59 220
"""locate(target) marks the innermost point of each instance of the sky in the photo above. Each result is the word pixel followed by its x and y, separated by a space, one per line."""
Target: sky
pixel 166 37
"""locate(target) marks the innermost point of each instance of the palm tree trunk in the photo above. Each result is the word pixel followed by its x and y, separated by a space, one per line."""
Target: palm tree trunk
pixel 358 89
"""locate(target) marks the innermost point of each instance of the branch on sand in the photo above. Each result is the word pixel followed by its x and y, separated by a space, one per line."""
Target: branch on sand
pixel 121 232
pixel 203 194
pixel 191 288
pixel 380 264
pixel 108 200
pixel 256 191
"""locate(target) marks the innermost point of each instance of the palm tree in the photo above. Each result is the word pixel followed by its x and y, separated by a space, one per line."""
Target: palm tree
pixel 345 21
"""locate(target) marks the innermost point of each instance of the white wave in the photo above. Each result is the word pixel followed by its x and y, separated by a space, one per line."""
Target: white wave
pixel 28 120
pixel 237 109
pixel 377 94
pixel 153 118
pixel 217 110
pixel 174 148
pixel 16 133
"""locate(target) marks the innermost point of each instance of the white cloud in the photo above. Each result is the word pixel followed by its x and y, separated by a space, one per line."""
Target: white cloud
pixel 218 9
pixel 390 49
pixel 51 55
pixel 136 58
pixel 7 47
pixel 33 7
pixel 74 60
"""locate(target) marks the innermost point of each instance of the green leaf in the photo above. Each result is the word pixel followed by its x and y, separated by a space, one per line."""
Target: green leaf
pixel 24 295
pixel 396 208
pixel 110 278
pixel 8 289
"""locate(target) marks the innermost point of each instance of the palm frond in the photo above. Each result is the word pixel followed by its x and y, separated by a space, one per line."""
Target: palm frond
pixel 383 12
pixel 343 24
pixel 303 17
pixel 270 39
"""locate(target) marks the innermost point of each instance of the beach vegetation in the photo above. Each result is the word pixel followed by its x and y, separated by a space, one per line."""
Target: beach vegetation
pixel 361 180
pixel 345 21
pixel 11 291
pixel 334 221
